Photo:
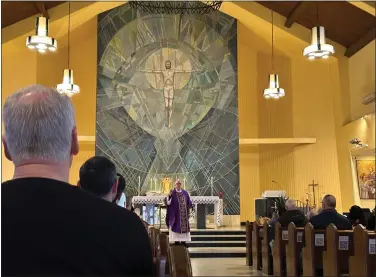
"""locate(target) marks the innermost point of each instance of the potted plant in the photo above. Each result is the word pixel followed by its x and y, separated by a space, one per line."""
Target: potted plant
pixel 280 205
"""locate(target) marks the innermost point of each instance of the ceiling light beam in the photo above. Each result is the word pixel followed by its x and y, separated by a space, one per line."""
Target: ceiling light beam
pixel 294 14
pixel 363 41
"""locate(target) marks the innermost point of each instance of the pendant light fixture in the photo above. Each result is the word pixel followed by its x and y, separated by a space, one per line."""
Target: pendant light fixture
pixel 67 86
pixel 273 91
pixel 41 41
pixel 318 49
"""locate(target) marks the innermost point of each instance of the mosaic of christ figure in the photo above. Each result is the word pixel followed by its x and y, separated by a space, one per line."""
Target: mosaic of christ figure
pixel 168 77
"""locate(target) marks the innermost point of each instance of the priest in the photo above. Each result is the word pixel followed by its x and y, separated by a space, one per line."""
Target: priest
pixel 178 204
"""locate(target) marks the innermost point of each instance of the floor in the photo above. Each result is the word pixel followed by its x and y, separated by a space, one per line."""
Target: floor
pixel 222 267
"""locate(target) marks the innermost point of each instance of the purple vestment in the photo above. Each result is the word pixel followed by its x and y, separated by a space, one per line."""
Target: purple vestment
pixel 178 211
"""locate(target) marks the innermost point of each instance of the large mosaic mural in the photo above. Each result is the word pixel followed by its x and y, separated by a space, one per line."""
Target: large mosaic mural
pixel 167 104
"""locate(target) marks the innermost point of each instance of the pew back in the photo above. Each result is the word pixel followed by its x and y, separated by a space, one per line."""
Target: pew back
pixel 179 261
pixel 293 250
pixel 362 263
pixel 314 246
pixel 162 253
pixel 256 246
pixel 279 249
pixel 267 267
pixel 339 248
pixel 248 233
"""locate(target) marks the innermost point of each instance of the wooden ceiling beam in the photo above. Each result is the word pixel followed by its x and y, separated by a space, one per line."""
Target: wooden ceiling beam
pixel 295 13
pixel 41 7
pixel 363 41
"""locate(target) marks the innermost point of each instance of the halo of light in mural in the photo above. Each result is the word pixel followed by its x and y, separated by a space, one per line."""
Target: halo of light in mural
pixel 176 7
pixel 67 86
pixel 274 91
pixel 41 41
pixel 318 49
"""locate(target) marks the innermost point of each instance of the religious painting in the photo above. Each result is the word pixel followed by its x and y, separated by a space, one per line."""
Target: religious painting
pixel 366 178
pixel 167 101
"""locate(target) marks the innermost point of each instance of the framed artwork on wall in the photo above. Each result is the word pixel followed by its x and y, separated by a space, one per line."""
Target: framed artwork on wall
pixel 366 178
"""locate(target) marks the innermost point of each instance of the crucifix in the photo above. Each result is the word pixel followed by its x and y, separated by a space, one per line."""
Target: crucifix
pixel 313 185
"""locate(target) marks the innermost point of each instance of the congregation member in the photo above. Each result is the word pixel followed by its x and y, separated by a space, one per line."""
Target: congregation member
pixel 98 177
pixel 371 220
pixel 50 227
pixel 356 216
pixel 292 214
pixel 178 204
pixel 121 199
pixel 329 214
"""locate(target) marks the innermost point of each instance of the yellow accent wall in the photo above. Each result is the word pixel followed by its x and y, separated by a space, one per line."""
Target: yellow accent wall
pixel 317 103
pixel 362 80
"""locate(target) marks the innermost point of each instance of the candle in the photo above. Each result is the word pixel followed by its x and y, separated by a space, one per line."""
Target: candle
pixel 139 185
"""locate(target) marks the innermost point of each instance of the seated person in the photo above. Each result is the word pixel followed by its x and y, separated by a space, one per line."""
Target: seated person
pixel 98 177
pixel 292 214
pixel 49 227
pixel 371 220
pixel 330 215
pixel 121 199
pixel 356 216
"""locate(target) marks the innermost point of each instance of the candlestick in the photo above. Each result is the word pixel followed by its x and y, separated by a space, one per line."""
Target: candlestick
pixel 211 185
pixel 139 185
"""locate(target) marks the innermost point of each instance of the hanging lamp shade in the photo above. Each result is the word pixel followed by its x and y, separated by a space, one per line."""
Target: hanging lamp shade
pixel 274 91
pixel 318 49
pixel 67 86
pixel 41 41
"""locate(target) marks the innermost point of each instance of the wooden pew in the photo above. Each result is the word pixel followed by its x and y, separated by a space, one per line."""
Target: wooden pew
pixel 293 250
pixel 248 244
pixel 162 254
pixel 279 249
pixel 314 246
pixel 362 263
pixel 339 248
pixel 179 261
pixel 267 266
pixel 154 232
pixel 257 234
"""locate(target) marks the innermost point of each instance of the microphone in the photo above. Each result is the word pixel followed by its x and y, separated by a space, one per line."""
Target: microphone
pixel 279 187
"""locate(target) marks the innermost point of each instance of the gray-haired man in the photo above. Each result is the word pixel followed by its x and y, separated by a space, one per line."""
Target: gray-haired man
pixel 49 226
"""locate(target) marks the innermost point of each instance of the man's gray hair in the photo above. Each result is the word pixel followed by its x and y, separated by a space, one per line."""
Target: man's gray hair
pixel 290 204
pixel 329 201
pixel 38 124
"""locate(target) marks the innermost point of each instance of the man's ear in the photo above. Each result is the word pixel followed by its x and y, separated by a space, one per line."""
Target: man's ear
pixel 115 186
pixel 74 147
pixel 6 150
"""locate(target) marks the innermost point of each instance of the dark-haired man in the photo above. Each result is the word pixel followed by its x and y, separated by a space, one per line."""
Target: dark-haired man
pixel 98 176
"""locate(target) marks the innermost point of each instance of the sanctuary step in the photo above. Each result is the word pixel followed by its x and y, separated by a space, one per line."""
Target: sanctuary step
pixel 216 243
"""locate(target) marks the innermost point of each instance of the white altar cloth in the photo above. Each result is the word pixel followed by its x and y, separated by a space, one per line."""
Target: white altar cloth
pixel 215 200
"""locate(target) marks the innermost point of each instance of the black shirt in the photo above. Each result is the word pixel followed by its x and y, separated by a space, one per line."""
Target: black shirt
pixel 50 227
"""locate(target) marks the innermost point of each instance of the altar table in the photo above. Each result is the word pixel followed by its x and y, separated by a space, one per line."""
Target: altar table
pixel 196 200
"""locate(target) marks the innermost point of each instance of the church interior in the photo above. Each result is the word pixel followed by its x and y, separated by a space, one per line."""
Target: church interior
pixel 242 102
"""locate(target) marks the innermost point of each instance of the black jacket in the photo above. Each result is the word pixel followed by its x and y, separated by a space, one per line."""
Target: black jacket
pixel 322 220
pixel 296 216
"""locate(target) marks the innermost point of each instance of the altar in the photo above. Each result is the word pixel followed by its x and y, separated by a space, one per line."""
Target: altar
pixel 197 201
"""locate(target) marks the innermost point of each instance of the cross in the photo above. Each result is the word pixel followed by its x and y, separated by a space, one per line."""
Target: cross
pixel 313 185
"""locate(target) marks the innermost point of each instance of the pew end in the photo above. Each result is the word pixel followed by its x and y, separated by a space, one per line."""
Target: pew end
pixel 314 245
pixel 362 263
pixel 179 261
pixel 267 266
